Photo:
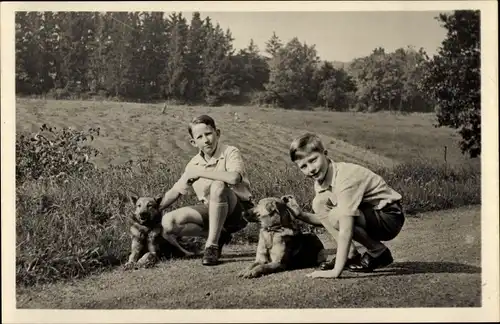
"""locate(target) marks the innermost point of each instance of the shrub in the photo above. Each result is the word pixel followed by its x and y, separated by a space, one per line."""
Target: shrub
pixel 58 93
pixel 53 153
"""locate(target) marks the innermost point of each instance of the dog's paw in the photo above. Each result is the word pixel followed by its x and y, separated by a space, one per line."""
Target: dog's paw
pixel 247 275
pixel 188 254
pixel 147 261
pixel 129 266
pixel 252 273
pixel 243 273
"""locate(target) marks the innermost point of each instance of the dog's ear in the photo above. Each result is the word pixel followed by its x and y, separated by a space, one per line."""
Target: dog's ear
pixel 285 215
pixel 292 204
pixel 158 200
pixel 133 198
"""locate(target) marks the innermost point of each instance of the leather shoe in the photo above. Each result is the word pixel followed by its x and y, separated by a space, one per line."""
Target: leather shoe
pixel 369 263
pixel 328 265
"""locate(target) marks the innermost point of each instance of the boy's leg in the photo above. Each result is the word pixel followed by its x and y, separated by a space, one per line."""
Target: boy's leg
pixel 373 247
pixel 372 227
pixel 222 202
pixel 186 221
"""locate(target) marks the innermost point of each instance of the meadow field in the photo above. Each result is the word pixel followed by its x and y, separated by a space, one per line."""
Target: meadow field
pixel 73 228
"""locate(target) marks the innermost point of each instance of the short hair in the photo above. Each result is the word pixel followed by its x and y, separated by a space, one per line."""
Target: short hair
pixel 305 145
pixel 202 119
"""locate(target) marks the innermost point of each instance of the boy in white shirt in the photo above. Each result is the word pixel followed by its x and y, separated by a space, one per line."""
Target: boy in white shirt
pixel 219 180
pixel 351 202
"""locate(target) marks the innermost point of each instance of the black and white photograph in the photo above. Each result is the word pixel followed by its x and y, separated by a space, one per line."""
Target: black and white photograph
pixel 204 163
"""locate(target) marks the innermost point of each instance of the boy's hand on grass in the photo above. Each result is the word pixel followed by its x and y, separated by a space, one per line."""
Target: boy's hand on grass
pixel 332 274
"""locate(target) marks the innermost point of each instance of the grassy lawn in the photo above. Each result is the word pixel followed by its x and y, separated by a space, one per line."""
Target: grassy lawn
pixel 79 228
pixel 437 264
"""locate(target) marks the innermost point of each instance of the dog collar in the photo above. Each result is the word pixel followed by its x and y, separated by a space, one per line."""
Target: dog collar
pixel 274 228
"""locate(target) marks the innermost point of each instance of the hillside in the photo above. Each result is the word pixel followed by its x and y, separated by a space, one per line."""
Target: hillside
pixel 130 130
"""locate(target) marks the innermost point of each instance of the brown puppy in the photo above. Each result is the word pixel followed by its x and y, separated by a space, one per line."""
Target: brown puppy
pixel 149 243
pixel 281 245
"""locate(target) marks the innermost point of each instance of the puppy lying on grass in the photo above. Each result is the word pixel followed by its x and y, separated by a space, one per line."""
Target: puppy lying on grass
pixel 281 245
pixel 149 242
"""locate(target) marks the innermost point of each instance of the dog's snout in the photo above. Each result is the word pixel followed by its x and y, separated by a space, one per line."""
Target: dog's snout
pixel 143 214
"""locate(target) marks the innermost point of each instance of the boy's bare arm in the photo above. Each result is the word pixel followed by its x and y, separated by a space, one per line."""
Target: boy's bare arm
pixel 229 177
pixel 344 239
pixel 169 198
pixel 309 218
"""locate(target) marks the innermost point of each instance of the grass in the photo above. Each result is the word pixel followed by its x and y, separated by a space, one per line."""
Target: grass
pixel 437 264
pixel 78 227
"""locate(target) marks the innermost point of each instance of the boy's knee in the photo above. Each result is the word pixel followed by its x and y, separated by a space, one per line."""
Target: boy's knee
pixel 217 189
pixel 170 222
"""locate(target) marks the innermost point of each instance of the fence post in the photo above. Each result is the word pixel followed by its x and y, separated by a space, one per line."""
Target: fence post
pixel 445 160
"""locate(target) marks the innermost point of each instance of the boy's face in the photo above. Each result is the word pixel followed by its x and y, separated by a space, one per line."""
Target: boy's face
pixel 205 138
pixel 314 165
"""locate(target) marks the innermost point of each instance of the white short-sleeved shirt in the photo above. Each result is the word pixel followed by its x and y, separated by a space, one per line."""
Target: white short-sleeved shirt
pixel 225 158
pixel 346 186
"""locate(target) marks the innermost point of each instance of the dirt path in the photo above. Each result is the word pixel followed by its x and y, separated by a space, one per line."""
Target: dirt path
pixel 437 264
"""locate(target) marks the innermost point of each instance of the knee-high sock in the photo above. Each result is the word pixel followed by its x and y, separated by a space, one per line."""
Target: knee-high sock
pixel 217 213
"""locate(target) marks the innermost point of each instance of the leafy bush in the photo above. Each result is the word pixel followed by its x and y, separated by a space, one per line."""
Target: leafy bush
pixel 53 153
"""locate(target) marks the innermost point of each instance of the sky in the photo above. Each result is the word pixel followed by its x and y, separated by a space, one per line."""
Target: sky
pixel 338 36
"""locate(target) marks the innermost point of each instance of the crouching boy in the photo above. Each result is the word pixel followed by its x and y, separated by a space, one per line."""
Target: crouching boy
pixel 217 176
pixel 352 203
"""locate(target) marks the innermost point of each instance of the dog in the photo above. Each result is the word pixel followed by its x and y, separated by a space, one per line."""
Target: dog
pixel 149 242
pixel 281 245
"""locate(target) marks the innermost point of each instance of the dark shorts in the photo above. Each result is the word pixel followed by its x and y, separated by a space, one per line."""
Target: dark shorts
pixel 384 224
pixel 235 221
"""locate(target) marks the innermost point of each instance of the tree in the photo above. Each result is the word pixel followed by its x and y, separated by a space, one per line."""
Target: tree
pixel 335 87
pixel 196 44
pixel 453 78
pixel 97 62
pixel 291 73
pixel 375 78
pixel 413 65
pixel 176 69
pixel 219 83
pixel 117 52
pixel 250 69
pixel 154 41
pixel 273 45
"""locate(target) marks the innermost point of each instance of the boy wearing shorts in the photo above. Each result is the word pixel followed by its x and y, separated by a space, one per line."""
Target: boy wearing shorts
pixel 352 203
pixel 218 177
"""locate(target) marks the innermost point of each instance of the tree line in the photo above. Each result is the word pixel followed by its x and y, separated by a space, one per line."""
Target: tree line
pixel 149 56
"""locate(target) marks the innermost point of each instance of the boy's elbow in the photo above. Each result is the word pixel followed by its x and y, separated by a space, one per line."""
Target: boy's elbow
pixel 235 179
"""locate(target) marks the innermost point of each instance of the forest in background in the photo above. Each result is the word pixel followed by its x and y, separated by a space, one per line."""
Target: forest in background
pixel 151 56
